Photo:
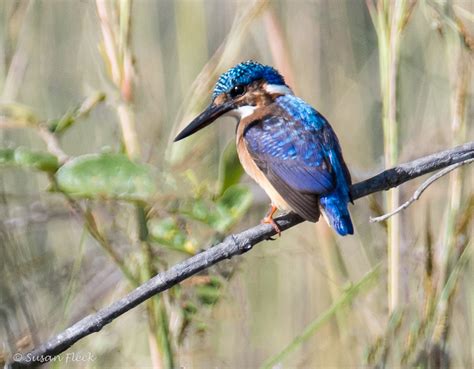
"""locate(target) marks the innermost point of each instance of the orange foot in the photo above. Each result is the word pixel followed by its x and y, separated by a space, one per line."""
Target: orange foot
pixel 269 220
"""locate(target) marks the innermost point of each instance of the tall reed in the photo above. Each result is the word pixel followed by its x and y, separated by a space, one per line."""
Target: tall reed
pixel 117 54
pixel 390 19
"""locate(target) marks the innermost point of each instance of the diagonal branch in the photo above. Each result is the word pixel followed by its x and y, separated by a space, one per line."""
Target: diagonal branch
pixel 420 190
pixel 232 245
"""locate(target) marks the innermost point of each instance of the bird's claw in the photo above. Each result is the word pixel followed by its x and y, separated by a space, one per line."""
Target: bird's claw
pixel 269 220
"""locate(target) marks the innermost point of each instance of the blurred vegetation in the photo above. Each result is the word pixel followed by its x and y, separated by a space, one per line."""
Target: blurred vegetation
pixel 95 199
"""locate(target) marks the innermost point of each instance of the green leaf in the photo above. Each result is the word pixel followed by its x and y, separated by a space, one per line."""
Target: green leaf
pixel 26 158
pixel 200 210
pixel 231 206
pixel 107 176
pixel 197 209
pixel 168 233
pixel 73 114
pixel 230 169
pixel 223 212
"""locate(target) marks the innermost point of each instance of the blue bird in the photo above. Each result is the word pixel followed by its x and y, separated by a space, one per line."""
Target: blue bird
pixel 283 143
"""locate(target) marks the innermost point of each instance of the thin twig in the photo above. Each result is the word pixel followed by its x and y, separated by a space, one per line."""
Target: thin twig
pixel 420 190
pixel 52 143
pixel 232 245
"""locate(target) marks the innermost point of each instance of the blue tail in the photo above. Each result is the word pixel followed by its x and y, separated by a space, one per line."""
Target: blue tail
pixel 334 206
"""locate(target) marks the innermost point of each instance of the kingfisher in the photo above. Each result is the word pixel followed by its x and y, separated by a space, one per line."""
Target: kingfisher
pixel 283 143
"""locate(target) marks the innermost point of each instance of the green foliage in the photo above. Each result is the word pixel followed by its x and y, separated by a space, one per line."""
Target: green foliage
pixel 26 158
pixel 231 206
pixel 167 232
pixel 106 175
pixel 72 115
pixel 225 210
pixel 220 214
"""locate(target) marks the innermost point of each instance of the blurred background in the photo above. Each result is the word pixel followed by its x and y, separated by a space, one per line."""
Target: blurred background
pixel 95 198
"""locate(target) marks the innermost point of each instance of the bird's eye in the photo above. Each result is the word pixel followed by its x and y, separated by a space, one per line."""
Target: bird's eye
pixel 237 91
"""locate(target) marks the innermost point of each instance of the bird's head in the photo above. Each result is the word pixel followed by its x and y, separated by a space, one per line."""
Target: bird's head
pixel 238 92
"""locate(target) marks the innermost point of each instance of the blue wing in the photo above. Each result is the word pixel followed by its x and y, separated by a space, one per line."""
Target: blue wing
pixel 299 153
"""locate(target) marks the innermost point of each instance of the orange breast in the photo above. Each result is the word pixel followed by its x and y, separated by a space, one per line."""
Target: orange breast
pixel 253 171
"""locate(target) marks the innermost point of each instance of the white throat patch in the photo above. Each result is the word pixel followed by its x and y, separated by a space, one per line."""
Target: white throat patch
pixel 243 111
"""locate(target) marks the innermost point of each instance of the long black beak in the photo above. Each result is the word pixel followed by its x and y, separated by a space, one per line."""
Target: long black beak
pixel 205 118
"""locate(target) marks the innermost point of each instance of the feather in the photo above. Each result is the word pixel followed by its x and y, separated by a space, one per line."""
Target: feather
pixel 296 149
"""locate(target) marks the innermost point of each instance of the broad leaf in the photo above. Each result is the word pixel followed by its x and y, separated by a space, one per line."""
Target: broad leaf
pixel 26 158
pixel 107 176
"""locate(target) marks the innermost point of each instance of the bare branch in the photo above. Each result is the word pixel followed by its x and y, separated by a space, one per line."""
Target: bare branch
pixel 404 172
pixel 420 190
pixel 232 245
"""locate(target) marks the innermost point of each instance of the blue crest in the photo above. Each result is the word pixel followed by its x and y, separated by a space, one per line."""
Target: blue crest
pixel 245 73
